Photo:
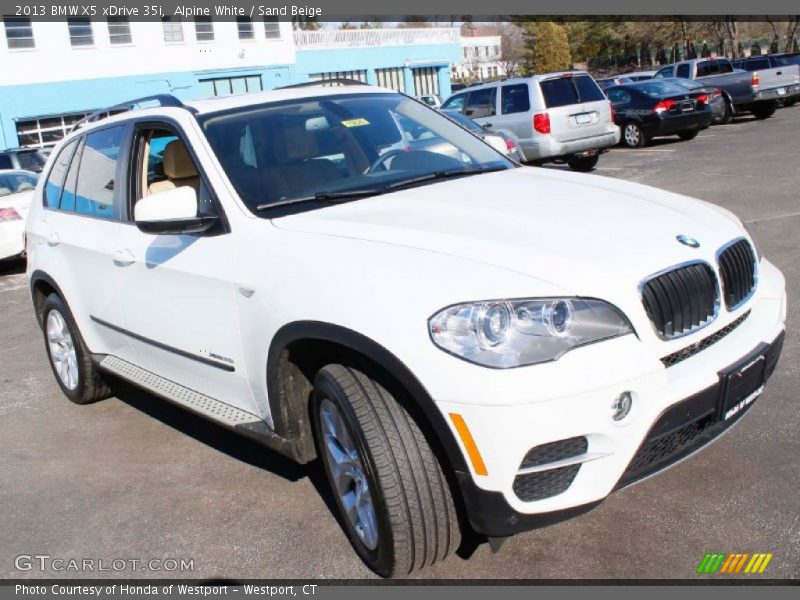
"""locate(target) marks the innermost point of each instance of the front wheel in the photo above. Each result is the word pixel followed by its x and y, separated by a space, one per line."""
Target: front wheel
pixel 583 164
pixel 688 134
pixel 633 136
pixel 393 498
pixel 69 358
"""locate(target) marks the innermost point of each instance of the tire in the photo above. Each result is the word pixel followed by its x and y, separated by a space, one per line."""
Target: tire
pixel 633 136
pixel 583 164
pixel 75 373
pixel 413 521
pixel 764 111
pixel 688 134
pixel 727 116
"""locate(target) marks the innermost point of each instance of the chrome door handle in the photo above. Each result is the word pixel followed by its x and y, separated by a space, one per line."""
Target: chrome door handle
pixel 123 258
pixel 53 239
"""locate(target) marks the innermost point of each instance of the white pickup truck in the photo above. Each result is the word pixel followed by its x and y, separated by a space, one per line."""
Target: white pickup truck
pixel 776 76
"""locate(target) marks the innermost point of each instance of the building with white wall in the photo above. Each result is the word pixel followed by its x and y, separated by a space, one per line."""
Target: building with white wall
pixel 54 73
pixel 481 58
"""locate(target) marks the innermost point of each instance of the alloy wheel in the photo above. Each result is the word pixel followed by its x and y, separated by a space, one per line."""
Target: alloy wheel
pixel 632 135
pixel 62 350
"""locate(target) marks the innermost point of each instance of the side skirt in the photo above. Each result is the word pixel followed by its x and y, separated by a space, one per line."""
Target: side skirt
pixel 230 417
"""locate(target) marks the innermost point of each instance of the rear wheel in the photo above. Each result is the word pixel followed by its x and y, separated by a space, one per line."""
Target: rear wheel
pixel 633 136
pixel 392 495
pixel 583 164
pixel 727 115
pixel 764 110
pixel 69 358
pixel 688 134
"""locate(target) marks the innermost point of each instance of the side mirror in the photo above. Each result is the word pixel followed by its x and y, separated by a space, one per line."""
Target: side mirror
pixel 171 212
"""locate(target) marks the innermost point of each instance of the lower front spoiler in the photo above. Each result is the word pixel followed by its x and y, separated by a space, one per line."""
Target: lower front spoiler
pixel 683 429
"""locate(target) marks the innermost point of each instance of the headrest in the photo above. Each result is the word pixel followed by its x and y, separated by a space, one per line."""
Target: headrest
pixel 178 164
pixel 298 144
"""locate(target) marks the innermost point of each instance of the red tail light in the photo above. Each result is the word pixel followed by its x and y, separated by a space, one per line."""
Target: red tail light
pixel 510 145
pixel 703 99
pixel 541 123
pixel 755 80
pixel 613 112
pixel 716 93
pixel 663 105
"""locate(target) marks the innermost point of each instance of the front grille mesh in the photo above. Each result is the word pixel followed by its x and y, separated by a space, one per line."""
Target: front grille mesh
pixel 682 300
pixel 547 453
pixel 681 355
pixel 737 266
pixel 544 484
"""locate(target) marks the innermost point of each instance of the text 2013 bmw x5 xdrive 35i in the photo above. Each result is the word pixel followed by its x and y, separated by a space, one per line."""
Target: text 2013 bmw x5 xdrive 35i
pixel 344 273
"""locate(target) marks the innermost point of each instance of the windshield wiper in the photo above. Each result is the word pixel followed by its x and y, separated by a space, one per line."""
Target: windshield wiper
pixel 443 175
pixel 321 197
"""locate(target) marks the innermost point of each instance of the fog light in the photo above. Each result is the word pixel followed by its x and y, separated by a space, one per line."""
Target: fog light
pixel 621 406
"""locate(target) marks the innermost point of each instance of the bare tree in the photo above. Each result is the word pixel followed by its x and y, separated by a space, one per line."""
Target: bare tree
pixel 789 28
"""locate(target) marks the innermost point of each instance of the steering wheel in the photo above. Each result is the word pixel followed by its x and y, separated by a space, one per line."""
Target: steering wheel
pixel 383 158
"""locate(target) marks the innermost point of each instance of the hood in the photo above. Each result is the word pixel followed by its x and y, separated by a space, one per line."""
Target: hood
pixel 580 233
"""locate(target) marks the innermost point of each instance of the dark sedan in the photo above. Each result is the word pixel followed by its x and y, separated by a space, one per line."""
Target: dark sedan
pixel 715 98
pixel 657 108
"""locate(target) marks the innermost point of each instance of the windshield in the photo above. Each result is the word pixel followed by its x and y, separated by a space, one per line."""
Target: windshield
pixel 14 183
pixel 342 146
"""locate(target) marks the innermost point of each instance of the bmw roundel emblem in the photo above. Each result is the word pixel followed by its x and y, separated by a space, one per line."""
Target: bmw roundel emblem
pixel 687 241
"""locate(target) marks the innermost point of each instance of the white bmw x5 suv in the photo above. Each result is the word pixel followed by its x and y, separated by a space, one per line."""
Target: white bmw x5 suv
pixel 345 274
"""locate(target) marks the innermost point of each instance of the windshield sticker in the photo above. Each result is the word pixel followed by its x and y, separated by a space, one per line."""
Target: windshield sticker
pixel 355 122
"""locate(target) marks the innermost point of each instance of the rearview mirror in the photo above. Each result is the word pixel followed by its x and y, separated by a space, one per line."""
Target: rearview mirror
pixel 171 212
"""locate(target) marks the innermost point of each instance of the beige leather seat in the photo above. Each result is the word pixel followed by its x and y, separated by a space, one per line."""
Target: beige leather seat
pixel 179 169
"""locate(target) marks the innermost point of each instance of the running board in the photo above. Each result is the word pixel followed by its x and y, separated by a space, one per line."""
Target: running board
pixel 236 419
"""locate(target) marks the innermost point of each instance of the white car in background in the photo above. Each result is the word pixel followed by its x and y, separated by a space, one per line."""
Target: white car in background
pixel 16 190
pixel 345 274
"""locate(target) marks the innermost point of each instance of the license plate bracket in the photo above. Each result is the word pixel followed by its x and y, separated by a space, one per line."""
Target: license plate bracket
pixel 741 386
pixel 583 118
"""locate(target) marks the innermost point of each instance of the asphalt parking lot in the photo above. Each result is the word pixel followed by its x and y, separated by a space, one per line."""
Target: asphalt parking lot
pixel 135 478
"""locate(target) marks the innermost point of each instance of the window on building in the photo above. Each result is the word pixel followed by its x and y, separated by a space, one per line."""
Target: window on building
pixel 173 29
pixel 357 75
pixel 94 194
pixel 225 86
pixel 204 29
pixel 80 31
pixel 392 78
pixel 38 132
pixel 119 30
pixel 426 80
pixel 19 32
pixel 245 27
pixel 272 28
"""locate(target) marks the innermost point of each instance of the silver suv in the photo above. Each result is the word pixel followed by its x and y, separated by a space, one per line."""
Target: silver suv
pixel 558 117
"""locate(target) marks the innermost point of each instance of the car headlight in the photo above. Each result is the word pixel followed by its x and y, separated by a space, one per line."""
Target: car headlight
pixel 512 333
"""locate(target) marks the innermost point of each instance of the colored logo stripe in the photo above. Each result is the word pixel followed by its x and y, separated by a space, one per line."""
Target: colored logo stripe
pixel 720 562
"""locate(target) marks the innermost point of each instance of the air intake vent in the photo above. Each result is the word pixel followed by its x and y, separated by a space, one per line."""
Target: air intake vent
pixel 681 301
pixel 737 267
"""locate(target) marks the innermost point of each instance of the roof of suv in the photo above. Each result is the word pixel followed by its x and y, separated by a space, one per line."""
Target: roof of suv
pixel 525 79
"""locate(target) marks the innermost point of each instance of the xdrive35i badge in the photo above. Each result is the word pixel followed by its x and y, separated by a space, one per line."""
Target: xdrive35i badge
pixel 687 241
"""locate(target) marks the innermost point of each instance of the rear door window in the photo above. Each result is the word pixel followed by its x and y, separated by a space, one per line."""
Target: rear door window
pixel 55 179
pixel 619 96
pixel 564 91
pixel 71 180
pixel 515 99
pixel 98 173
pixel 724 66
pixel 683 71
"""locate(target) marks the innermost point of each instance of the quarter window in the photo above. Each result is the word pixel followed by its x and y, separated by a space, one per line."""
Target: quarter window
pixel 98 173
pixel 683 71
pixel 68 193
pixel 19 32
pixel 55 180
pixel 80 31
pixel 515 99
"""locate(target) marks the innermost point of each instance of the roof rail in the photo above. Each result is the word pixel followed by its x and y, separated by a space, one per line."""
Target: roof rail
pixel 161 99
pixel 336 81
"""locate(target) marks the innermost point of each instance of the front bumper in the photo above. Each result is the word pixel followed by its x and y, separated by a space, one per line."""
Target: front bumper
pixel 675 412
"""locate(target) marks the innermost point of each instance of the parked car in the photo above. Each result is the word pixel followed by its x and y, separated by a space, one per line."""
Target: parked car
pixel 714 95
pixel 16 189
pixel 742 90
pixel 640 75
pixel 657 108
pixel 497 140
pixel 774 74
pixel 26 159
pixel 431 100
pixel 559 117
pixel 608 82
pixel 437 331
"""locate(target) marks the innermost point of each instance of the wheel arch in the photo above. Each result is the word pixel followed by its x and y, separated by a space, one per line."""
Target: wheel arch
pixel 300 348
pixel 41 286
